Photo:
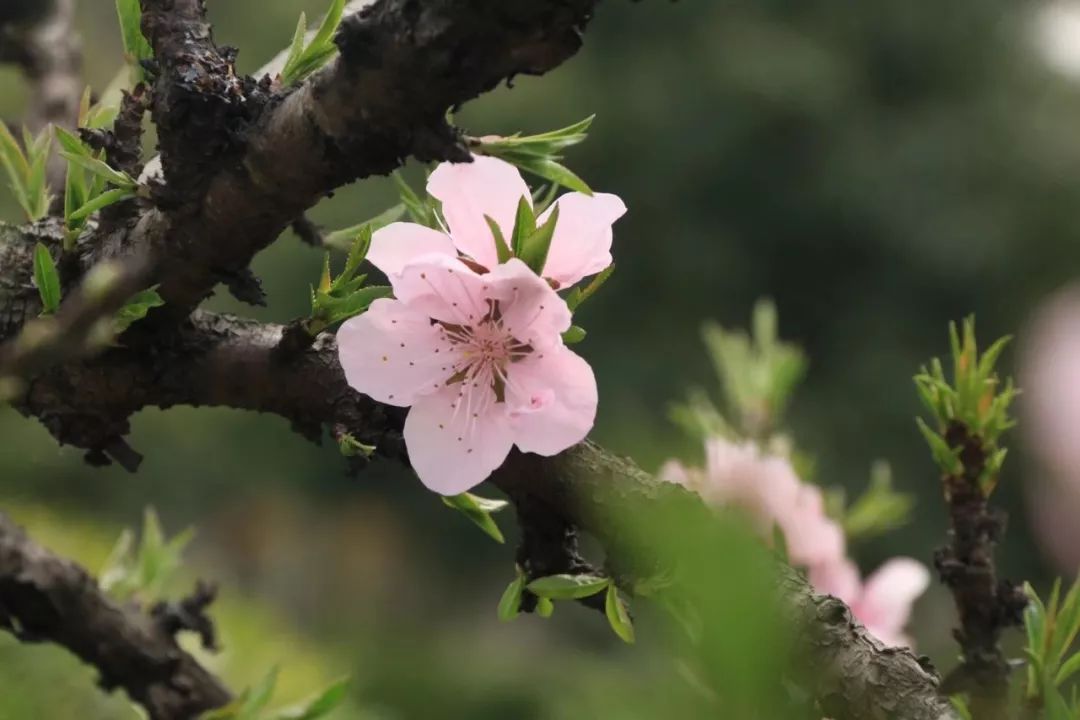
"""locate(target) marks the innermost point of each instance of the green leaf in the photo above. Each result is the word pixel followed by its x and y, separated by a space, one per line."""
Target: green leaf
pixel 947 459
pixel 303 61
pixel 420 211
pixel 578 296
pixel 259 696
pixel 544 607
pixel 524 225
pixel 296 49
pixel 47 279
pixel 535 247
pixel 574 335
pixel 345 238
pixel 26 172
pixel 136 308
pixel 101 169
pixel 478 510
pixel 136 48
pixel 568 587
pixel 105 199
pixel 551 171
pixel 502 250
pixel 960 705
pixel 880 508
pixel 333 310
pixel 318 706
pixel 617 615
pixel 330 24
pixel 1067 670
pixel 510 602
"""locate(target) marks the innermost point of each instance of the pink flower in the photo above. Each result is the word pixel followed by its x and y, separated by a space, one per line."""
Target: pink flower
pixel 477 352
pixel 883 603
pixel 768 489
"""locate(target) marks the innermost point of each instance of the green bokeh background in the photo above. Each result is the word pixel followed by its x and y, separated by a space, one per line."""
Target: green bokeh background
pixel 879 168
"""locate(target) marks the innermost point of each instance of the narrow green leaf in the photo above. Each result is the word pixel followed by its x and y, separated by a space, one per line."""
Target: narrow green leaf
pixel 1067 669
pixel 552 171
pixel 617 615
pixel 318 706
pixel 105 199
pixel 534 250
pixel 330 24
pixel 296 49
pixel 47 279
pixel 345 238
pixel 502 250
pixel 510 603
pixel 334 310
pixel 136 308
pixel 260 695
pixel 136 47
pixel 524 225
pixel 101 169
pixel 478 510
pixel 578 296
pixel 568 587
pixel 419 211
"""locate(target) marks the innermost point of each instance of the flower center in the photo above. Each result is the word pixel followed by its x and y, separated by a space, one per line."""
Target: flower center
pixel 486 349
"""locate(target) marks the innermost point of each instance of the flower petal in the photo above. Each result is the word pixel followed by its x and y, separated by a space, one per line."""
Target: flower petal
pixel 394 354
pixel 581 245
pixel 444 288
pixel 552 399
pixel 469 191
pixel 531 310
pixel 452 447
pixel 398 244
pixel 890 592
pixel 839 579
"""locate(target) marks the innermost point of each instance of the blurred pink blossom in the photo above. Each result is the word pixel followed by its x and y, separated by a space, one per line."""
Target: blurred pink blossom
pixel 883 603
pixel 769 490
pixel 1050 409
pixel 475 348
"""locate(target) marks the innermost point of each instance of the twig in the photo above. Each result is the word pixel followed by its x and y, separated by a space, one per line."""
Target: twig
pixel 45 598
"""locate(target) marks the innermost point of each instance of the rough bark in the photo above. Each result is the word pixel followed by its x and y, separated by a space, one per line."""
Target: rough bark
pixel 986 605
pixel 45 598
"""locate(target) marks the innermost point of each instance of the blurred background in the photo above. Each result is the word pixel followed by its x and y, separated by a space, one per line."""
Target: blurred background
pixel 877 168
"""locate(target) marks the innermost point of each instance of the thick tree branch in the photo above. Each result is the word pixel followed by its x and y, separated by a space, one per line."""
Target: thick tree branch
pixel 243 159
pixel 44 597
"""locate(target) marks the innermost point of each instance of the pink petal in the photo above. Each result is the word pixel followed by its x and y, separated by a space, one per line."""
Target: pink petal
pixel 455 445
pixel 552 400
pixel 581 245
pixel 469 191
pixel 839 579
pixel 531 310
pixel 676 473
pixel 398 244
pixel 443 288
pixel 390 353
pixel 891 591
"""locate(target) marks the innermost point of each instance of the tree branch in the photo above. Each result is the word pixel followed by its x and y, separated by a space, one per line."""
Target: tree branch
pixel 44 597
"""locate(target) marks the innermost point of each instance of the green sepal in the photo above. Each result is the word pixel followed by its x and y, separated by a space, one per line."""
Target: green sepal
pixel 479 510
